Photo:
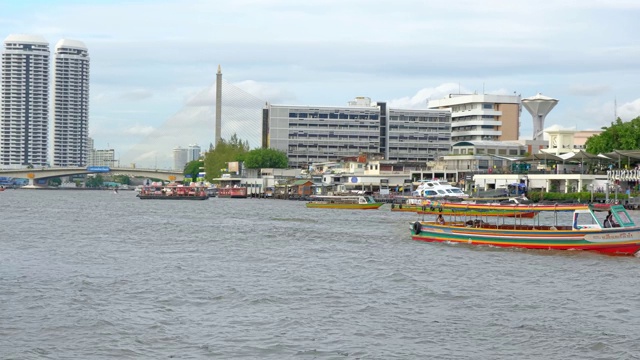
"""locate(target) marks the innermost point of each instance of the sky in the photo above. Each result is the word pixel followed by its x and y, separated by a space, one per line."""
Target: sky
pixel 153 62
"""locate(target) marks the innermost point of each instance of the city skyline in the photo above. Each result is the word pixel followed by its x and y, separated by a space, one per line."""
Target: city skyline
pixel 145 74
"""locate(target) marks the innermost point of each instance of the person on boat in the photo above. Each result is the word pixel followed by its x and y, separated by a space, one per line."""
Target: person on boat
pixel 440 219
pixel 609 221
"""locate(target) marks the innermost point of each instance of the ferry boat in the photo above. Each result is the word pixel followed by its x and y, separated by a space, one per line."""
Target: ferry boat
pixel 157 191
pixel 236 192
pixel 435 189
pixel 359 202
pixel 601 228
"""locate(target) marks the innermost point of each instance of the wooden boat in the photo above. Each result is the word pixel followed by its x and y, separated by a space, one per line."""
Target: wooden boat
pixel 407 204
pixel 158 191
pixel 238 192
pixel 519 207
pixel 358 202
pixel 585 230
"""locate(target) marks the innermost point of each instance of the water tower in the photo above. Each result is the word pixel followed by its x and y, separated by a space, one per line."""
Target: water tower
pixel 539 106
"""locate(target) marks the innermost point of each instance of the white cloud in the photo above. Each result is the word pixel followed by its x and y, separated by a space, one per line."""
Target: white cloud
pixel 147 70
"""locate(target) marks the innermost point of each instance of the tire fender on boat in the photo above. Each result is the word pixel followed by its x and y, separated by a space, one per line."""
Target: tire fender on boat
pixel 417 227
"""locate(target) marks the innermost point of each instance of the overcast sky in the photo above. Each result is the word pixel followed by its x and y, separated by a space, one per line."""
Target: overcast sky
pixel 153 62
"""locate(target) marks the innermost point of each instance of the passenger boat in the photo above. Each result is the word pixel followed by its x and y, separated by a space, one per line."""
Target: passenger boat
pixel 359 202
pixel 586 228
pixel 435 189
pixel 237 192
pixel 407 204
pixel 157 191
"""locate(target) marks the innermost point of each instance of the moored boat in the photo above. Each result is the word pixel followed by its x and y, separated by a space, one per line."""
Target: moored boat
pixel 359 202
pixel 157 191
pixel 237 192
pixel 601 228
pixel 407 204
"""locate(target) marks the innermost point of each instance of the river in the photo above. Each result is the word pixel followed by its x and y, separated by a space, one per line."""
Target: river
pixel 98 275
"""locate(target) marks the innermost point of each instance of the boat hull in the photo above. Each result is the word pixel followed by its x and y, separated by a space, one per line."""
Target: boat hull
pixel 618 241
pixel 372 206
pixel 235 193
pixel 165 197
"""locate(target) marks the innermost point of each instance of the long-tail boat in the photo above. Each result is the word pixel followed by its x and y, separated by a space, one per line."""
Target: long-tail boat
pixel 601 228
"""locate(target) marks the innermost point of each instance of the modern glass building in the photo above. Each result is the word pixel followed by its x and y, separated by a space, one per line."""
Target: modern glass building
pixel 24 110
pixel 70 104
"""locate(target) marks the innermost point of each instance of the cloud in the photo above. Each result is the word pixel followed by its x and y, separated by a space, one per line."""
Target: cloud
pixel 630 110
pixel 136 95
pixel 588 90
pixel 139 130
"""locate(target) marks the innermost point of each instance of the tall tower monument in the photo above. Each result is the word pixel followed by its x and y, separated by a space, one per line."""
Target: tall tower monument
pixel 539 106
pixel 218 106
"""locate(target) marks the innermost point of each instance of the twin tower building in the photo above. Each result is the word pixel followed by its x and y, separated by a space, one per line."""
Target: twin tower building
pixel 32 94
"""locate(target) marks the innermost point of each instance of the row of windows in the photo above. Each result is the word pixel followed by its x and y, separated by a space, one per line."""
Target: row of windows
pixel 418 118
pixel 334 116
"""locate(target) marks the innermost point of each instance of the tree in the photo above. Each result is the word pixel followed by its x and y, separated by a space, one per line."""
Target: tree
pixel 122 179
pixel 619 136
pixel 96 181
pixel 266 158
pixel 224 152
pixel 192 168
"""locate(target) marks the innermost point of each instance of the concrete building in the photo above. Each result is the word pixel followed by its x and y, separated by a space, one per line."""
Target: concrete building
pixel 24 111
pixel 105 157
pixel 418 135
pixel 319 134
pixel 482 117
pixel 193 152
pixel 70 103
pixel 180 157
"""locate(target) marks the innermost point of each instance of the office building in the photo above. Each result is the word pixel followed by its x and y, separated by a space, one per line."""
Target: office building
pixel 70 103
pixel 24 110
pixel 104 157
pixel 482 117
pixel 318 134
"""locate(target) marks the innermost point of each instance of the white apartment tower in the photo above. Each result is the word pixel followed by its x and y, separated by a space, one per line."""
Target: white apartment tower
pixel 24 110
pixel 477 117
pixel 180 156
pixel 70 104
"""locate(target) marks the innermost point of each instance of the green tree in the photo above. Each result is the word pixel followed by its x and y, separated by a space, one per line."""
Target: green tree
pixel 122 179
pixel 619 136
pixel 192 168
pixel 223 153
pixel 96 181
pixel 266 158
pixel 55 181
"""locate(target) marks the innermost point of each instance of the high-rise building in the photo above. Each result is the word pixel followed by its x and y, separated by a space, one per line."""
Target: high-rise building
pixel 482 116
pixel 180 156
pixel 193 152
pixel 24 110
pixel 70 103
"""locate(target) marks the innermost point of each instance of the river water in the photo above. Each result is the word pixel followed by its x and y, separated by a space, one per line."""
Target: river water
pixel 97 275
